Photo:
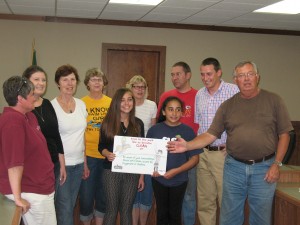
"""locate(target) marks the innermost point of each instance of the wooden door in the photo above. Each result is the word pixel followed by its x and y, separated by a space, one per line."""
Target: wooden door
pixel 120 62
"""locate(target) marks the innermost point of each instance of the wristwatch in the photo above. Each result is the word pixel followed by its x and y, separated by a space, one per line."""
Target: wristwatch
pixel 277 163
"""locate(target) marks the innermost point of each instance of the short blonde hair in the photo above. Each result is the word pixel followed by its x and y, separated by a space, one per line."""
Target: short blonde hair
pixel 137 79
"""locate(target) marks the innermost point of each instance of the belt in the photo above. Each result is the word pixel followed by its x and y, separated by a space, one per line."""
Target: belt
pixel 214 148
pixel 253 161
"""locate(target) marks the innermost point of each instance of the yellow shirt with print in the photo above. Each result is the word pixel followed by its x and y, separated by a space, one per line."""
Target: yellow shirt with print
pixel 97 110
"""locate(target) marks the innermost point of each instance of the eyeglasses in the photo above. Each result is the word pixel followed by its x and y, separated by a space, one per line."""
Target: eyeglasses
pixel 24 81
pixel 242 76
pixel 94 80
pixel 139 87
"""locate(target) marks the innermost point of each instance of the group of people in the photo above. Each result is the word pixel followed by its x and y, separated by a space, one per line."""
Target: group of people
pixel 51 152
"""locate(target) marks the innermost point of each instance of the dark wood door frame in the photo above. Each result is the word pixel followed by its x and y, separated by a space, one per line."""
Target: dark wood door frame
pixel 159 80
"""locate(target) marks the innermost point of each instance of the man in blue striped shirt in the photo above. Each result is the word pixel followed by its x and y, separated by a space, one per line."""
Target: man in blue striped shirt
pixel 210 167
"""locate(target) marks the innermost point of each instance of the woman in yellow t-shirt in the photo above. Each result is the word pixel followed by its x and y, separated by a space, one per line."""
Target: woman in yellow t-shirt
pixel 92 198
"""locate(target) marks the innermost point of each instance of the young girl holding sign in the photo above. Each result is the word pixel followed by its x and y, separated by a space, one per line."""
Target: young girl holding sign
pixel 119 188
pixel 169 188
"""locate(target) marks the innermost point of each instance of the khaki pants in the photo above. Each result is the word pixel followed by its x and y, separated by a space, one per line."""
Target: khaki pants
pixel 41 212
pixel 209 185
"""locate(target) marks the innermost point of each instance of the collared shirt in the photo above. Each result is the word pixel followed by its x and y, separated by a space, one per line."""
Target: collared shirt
pixel 206 106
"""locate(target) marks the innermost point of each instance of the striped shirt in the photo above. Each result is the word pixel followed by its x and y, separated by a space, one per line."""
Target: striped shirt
pixel 206 106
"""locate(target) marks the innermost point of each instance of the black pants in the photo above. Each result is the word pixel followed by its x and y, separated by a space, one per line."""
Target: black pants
pixel 168 203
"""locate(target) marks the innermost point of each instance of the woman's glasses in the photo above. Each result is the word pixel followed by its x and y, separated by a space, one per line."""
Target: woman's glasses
pixel 24 81
pixel 139 87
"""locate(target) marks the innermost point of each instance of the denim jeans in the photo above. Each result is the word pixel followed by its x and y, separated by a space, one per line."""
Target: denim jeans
pixel 57 176
pixel 189 200
pixel 67 194
pixel 143 199
pixel 241 181
pixel 91 193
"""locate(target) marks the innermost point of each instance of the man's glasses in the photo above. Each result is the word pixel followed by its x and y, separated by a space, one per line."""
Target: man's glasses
pixel 24 81
pixel 242 76
pixel 139 87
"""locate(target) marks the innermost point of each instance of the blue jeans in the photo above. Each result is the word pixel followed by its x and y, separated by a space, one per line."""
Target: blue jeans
pixel 91 194
pixel 241 181
pixel 189 200
pixel 67 194
pixel 57 176
pixel 143 199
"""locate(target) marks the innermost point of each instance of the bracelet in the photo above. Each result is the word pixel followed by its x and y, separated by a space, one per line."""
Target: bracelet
pixel 277 163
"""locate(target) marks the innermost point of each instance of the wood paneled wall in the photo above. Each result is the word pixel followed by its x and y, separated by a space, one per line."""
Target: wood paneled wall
pixel 295 158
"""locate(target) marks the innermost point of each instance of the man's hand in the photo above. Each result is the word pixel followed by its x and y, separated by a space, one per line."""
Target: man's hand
pixel 178 146
pixel 272 175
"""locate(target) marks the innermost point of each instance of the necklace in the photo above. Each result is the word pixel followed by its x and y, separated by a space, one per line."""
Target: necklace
pixel 40 115
pixel 124 129
pixel 66 106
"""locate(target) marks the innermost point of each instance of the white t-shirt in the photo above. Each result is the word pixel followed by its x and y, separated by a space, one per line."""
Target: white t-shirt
pixel 71 128
pixel 146 112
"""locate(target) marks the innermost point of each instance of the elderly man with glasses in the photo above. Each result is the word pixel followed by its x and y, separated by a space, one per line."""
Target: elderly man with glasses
pixel 257 125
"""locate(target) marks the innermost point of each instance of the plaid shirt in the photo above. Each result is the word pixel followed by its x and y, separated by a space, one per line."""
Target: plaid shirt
pixel 206 106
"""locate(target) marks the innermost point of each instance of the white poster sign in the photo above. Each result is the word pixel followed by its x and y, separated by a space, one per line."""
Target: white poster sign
pixel 139 155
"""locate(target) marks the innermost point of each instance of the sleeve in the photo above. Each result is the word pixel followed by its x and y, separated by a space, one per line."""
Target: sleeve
pixel 217 126
pixel 161 100
pixel 196 116
pixel 150 132
pixel 141 124
pixel 13 140
pixel 56 134
pixel 103 142
pixel 283 119
pixel 154 111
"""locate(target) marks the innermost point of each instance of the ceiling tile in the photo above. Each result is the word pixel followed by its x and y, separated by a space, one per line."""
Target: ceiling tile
pixel 198 12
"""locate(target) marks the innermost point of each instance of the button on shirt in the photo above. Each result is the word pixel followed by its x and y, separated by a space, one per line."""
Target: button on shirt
pixel 206 106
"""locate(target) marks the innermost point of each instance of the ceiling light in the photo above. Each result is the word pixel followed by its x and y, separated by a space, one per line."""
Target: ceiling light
pixel 283 7
pixel 137 2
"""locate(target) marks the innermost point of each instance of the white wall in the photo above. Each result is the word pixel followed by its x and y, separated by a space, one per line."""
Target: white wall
pixel 278 57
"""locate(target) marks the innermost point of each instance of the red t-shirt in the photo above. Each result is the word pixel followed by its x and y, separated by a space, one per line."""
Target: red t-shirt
pixel 188 99
pixel 23 144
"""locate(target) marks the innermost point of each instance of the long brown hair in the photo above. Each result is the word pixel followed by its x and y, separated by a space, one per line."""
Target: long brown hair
pixel 111 124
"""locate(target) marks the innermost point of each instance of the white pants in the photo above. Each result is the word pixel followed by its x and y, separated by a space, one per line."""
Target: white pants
pixel 41 212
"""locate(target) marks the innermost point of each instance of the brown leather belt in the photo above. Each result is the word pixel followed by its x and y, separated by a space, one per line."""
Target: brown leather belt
pixel 214 148
pixel 253 161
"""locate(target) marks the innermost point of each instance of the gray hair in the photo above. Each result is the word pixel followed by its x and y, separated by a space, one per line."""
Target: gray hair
pixel 14 86
pixel 243 63
pixel 95 72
